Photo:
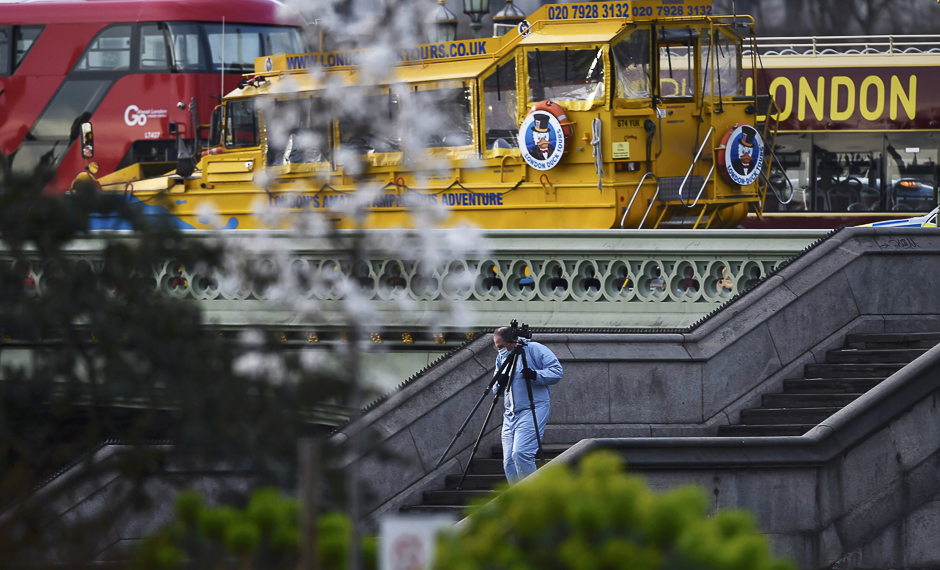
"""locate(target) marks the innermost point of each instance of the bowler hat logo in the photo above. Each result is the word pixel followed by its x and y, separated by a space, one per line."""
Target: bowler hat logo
pixel 542 139
pixel 744 155
pixel 268 64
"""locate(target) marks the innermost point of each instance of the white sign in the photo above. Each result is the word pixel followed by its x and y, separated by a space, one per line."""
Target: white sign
pixel 542 140
pixel 134 115
pixel 409 542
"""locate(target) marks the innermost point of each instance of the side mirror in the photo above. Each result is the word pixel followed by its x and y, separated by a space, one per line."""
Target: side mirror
pixel 88 142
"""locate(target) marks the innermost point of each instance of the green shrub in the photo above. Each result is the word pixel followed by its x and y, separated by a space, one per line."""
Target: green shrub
pixel 265 535
pixel 600 518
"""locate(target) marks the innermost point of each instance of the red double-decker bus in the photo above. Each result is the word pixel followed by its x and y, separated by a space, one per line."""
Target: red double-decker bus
pixel 140 70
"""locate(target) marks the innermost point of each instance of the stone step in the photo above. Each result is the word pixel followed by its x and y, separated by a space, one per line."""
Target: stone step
pixel 872 356
pixel 485 466
pixel 764 430
pixel 893 340
pixel 829 385
pixel 850 370
pixel 475 482
pixel 453 497
pixel 458 511
pixel 808 400
pixel 549 450
pixel 768 416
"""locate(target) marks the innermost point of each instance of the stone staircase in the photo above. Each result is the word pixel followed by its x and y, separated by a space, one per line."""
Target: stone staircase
pixel 863 362
pixel 484 475
pixel 850 371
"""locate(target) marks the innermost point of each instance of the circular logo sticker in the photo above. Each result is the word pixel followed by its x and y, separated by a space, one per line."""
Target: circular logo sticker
pixel 268 64
pixel 524 28
pixel 744 155
pixel 542 139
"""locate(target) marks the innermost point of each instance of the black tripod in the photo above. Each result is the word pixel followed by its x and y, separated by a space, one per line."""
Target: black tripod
pixel 503 378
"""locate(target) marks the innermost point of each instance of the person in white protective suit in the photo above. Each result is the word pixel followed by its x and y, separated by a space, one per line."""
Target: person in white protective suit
pixel 518 435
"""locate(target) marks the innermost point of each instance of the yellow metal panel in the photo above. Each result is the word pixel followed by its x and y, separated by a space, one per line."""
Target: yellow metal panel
pixel 228 166
pixel 586 31
pixel 443 71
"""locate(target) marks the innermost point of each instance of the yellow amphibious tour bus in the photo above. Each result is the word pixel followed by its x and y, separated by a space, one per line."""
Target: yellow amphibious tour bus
pixel 597 115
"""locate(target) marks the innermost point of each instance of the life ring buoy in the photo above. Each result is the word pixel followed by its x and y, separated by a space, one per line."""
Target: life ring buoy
pixel 559 113
pixel 746 147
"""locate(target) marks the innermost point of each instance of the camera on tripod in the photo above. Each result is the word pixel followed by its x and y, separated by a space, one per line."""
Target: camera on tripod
pixel 518 332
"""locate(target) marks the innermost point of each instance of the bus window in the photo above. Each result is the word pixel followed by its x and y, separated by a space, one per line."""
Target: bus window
pixel 371 125
pixel 152 49
pixel 449 111
pixel 184 44
pixel 566 75
pixel 848 168
pixel 793 151
pixel 109 51
pixel 72 104
pixel 244 42
pixel 298 131
pixel 25 37
pixel 5 51
pixel 241 124
pixel 632 64
pixel 676 65
pixel 725 56
pixel 911 168
pixel 499 107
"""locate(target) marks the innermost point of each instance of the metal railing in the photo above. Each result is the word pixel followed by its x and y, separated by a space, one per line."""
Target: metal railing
pixel 848 45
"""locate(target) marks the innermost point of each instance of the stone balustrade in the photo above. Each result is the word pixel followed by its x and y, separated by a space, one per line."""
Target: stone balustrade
pixel 549 279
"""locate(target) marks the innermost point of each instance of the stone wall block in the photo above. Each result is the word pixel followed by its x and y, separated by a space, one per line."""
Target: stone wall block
pixel 655 392
pixel 582 396
pixel 435 430
pixel 770 298
pixel 388 470
pixel 886 550
pixel 813 316
pixel 830 548
pixel 572 433
pixel 922 537
pixel 628 350
pixel 922 483
pixel 922 322
pixel 460 385
pixel 867 519
pixel 868 468
pixel 736 370
pixel 916 432
pixel 782 500
pixel 799 548
pixel 905 286
pixel 85 523
pixel 836 260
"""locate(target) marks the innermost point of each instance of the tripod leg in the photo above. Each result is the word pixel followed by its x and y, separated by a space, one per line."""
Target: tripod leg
pixel 535 421
pixel 477 444
pixel 487 390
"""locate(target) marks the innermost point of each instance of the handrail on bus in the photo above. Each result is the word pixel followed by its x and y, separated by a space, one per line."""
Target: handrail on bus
pixel 826 45
pixel 692 166
pixel 702 189
pixel 766 178
pixel 630 205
